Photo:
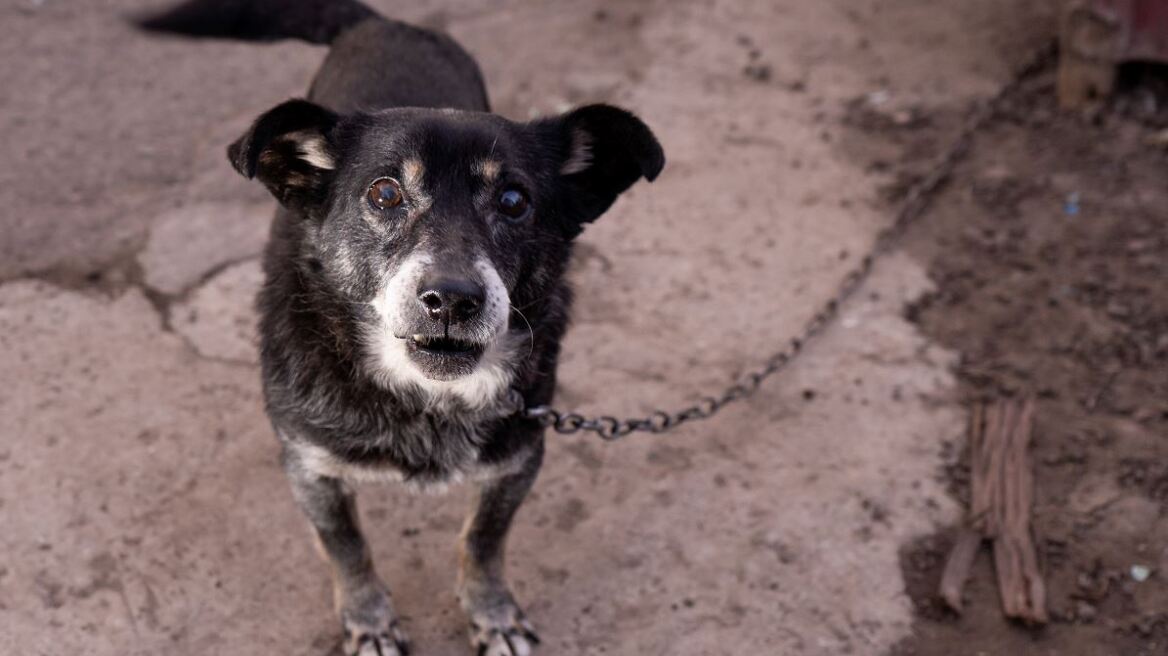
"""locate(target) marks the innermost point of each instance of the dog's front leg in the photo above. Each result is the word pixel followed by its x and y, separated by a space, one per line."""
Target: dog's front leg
pixel 497 625
pixel 362 600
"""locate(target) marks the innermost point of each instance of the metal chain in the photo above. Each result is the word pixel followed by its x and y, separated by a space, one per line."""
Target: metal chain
pixel 916 200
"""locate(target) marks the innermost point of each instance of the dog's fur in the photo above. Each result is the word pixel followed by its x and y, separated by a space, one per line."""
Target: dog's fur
pixel 353 388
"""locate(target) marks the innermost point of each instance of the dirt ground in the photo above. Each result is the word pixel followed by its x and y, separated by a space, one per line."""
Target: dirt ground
pixel 142 510
pixel 1049 251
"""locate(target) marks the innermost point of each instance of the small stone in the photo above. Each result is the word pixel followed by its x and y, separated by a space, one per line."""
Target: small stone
pixel 1140 573
pixel 1158 139
pixel 903 117
pixel 758 72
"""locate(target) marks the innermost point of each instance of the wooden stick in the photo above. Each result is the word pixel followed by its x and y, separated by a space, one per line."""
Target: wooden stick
pixel 1001 498
pixel 1027 586
pixel 957 567
pixel 1020 584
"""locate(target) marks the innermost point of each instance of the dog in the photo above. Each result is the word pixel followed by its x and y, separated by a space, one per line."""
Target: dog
pixel 414 284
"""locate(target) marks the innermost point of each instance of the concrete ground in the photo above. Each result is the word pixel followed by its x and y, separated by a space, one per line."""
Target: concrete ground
pixel 141 506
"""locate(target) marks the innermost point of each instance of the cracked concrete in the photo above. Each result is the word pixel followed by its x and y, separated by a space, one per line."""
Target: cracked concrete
pixel 141 506
pixel 190 240
pixel 218 319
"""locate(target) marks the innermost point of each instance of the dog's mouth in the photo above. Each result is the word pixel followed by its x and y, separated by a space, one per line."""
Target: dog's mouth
pixel 444 345
pixel 444 358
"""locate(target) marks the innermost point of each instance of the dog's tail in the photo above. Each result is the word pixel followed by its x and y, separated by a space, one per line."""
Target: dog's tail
pixel 315 21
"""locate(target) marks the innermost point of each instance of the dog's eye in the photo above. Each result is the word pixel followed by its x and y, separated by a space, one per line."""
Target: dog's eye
pixel 385 193
pixel 513 204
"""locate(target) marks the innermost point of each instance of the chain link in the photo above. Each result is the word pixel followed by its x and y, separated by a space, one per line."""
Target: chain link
pixel 917 199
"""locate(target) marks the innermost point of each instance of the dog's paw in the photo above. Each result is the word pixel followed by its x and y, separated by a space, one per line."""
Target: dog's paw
pixel 386 643
pixel 516 640
pixel 502 630
pixel 372 629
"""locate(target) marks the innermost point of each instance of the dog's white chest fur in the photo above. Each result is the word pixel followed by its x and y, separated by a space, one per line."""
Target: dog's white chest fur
pixel 321 462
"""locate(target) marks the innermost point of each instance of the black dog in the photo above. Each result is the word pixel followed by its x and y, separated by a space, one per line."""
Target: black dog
pixel 414 282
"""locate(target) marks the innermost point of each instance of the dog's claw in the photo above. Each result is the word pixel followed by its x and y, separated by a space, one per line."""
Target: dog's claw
pixel 511 642
pixel 384 644
pixel 528 631
pixel 518 639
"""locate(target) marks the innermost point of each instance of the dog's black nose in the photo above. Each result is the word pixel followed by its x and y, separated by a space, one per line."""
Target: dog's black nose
pixel 451 300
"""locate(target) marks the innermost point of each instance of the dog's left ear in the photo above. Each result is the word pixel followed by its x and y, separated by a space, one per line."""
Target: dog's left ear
pixel 289 148
pixel 602 150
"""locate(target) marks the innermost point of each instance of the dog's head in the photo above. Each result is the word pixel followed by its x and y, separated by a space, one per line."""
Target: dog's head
pixel 437 226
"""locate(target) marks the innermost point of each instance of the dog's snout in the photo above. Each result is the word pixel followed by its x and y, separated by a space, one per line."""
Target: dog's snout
pixel 451 300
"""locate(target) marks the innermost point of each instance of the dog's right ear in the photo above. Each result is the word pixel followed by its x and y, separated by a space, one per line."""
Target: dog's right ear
pixel 290 149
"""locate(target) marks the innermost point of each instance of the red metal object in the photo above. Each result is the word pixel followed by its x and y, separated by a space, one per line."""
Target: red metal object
pixel 1141 28
pixel 1097 35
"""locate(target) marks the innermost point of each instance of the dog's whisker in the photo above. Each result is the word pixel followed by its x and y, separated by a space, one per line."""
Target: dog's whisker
pixel 531 303
pixel 530 331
